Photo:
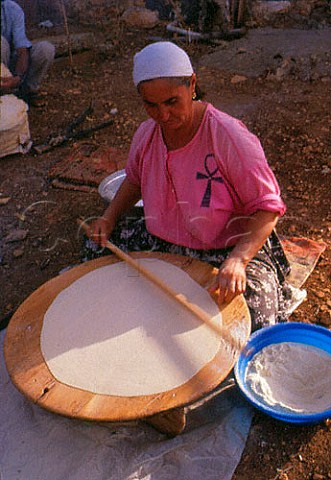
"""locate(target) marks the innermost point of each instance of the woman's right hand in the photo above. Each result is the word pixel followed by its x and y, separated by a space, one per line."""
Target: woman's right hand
pixel 100 231
pixel 127 195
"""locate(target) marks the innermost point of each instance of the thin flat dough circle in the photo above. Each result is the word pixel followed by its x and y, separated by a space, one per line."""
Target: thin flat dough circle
pixel 113 332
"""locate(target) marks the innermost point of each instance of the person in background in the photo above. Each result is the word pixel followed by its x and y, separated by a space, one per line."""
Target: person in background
pixel 28 63
pixel 207 190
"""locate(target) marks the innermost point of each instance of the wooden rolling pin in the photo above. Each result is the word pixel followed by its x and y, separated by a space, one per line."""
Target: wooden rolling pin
pixel 195 309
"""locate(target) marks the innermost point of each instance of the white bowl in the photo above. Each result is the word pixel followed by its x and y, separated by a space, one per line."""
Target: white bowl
pixel 109 186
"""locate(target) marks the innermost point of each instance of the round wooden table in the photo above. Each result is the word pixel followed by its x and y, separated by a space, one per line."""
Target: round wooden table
pixel 31 375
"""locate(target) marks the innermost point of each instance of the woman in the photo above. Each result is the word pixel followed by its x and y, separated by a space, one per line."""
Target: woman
pixel 207 189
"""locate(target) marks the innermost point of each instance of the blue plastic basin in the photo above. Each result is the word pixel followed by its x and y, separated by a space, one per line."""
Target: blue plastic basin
pixel 313 335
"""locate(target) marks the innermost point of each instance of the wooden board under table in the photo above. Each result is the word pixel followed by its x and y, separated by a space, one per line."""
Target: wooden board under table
pixel 29 372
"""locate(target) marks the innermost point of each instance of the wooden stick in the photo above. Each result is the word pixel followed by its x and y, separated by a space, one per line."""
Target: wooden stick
pixel 66 26
pixel 233 13
pixel 195 309
pixel 241 12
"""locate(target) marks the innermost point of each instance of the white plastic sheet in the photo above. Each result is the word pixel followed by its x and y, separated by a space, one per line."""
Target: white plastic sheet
pixel 37 445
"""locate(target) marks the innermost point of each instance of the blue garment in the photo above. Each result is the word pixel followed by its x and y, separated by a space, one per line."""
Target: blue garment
pixel 13 25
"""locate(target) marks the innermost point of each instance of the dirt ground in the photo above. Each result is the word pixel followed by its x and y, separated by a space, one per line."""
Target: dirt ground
pixel 39 236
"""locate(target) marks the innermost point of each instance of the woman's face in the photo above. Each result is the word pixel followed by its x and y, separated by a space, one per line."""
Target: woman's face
pixel 168 103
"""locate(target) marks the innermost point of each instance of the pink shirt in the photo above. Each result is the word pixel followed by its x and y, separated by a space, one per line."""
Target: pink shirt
pixel 199 195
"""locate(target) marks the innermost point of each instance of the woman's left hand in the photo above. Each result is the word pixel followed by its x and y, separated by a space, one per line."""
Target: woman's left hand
pixel 231 280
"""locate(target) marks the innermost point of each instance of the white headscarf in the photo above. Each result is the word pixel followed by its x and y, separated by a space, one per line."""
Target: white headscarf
pixel 159 60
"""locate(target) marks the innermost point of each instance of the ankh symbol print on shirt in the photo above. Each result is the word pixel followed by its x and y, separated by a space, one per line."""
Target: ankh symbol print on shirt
pixel 209 176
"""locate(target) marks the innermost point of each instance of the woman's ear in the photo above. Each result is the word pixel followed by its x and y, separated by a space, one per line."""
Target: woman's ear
pixel 193 82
